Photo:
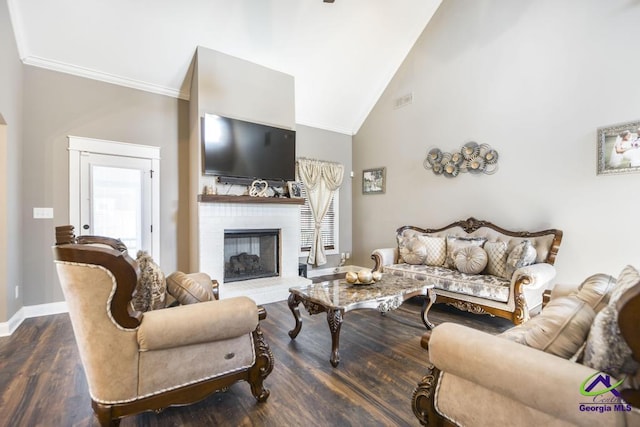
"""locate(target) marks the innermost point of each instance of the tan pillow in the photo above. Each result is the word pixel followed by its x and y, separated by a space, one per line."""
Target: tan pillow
pixel 470 260
pixel 186 290
pixel 151 288
pixel 560 329
pixel 596 290
pixel 414 251
pixel 455 243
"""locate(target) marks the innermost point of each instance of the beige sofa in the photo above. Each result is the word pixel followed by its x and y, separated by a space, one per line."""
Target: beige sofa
pixel 551 371
pixel 500 289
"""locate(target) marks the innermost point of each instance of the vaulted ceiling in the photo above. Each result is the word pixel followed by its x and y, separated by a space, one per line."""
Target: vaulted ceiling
pixel 342 54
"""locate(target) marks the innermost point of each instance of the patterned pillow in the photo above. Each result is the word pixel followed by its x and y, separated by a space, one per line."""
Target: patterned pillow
pixel 606 349
pixel 414 251
pixel 497 259
pixel 454 243
pixel 521 255
pixel 436 250
pixel 151 288
pixel 470 259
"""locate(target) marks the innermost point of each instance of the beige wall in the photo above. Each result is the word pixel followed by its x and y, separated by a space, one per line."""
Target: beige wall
pixel 57 105
pixel 534 80
pixel 11 87
pixel 321 144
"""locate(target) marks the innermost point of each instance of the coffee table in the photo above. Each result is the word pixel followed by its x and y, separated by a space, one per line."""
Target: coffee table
pixel 338 297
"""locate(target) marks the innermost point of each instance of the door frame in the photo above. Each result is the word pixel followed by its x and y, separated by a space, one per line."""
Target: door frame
pixel 79 145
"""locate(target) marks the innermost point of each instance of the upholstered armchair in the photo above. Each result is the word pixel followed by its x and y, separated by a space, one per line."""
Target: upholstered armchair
pixel 575 364
pixel 136 362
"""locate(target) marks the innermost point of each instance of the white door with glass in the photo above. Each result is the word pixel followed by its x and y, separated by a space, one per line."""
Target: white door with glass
pixel 114 192
pixel 115 199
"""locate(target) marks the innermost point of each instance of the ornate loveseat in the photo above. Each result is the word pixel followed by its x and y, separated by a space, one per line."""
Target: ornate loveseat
pixel 575 364
pixel 477 266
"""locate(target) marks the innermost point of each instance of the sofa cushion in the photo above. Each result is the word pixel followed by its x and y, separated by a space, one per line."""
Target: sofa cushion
pixel 596 290
pixel 454 243
pixel 436 250
pixel 521 255
pixel 497 258
pixel 606 349
pixel 477 285
pixel 187 290
pixel 414 250
pixel 560 329
pixel 151 288
pixel 470 259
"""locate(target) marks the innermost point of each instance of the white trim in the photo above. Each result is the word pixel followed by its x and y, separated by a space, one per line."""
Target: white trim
pixel 78 144
pixel 27 312
pixel 89 73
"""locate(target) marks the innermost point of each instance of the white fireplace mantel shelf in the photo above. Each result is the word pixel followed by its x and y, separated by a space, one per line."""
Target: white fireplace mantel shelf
pixel 220 198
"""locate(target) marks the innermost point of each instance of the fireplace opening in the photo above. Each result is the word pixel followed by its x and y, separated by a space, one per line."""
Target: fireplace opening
pixel 251 254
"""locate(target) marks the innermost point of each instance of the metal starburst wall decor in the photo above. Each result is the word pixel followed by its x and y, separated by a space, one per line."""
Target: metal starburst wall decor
pixel 472 157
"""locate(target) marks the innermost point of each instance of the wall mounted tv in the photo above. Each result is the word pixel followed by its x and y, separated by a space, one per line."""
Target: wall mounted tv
pixel 239 151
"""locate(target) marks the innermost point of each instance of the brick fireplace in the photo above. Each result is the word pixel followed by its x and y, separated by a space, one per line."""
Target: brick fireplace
pixel 250 220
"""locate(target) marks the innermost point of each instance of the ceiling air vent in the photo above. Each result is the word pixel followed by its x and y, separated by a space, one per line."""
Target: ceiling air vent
pixel 403 101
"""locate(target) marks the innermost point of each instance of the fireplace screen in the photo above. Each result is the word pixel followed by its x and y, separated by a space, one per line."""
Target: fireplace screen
pixel 251 254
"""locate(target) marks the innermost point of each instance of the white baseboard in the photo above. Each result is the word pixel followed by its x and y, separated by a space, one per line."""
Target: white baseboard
pixel 9 327
pixel 332 270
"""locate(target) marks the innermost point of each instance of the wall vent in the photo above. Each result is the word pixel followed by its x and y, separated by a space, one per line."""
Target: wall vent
pixel 403 101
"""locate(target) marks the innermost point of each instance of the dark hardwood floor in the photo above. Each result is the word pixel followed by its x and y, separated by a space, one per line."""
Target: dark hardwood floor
pixel 42 382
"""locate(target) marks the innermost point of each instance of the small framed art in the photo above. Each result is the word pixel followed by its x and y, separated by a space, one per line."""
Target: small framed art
pixel 295 189
pixel 373 181
pixel 619 148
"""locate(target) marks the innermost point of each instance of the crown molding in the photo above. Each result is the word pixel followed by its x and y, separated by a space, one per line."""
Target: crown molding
pixel 88 73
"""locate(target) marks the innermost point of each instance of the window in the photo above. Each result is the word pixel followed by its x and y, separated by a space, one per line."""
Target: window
pixel 329 228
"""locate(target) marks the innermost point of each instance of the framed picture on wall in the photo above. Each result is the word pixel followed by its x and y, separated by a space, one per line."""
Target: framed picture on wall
pixel 619 148
pixel 373 181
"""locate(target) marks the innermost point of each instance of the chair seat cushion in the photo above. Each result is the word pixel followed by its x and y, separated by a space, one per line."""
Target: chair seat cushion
pixel 478 285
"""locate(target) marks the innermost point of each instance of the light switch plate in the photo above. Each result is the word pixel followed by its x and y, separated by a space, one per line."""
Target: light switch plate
pixel 43 213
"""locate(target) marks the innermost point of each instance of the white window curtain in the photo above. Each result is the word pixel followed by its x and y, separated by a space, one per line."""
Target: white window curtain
pixel 321 179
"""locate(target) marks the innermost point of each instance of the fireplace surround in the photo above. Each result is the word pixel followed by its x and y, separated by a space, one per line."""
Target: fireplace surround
pixel 247 214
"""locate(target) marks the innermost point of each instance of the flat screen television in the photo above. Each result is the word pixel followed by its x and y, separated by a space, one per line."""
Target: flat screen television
pixel 238 151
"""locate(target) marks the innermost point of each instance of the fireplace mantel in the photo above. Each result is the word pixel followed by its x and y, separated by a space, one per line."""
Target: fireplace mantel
pixel 220 198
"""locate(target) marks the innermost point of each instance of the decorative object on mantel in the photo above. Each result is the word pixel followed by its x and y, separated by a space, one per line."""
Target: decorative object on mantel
pixel 619 148
pixel 295 190
pixel 473 158
pixel 321 180
pixel 258 188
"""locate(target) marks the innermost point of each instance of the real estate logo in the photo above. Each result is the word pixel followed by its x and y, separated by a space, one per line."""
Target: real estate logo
pixel 602 395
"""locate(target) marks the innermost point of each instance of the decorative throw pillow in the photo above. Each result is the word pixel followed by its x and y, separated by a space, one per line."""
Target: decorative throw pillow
pixel 187 290
pixel 606 349
pixel 436 250
pixel 151 288
pixel 454 243
pixel 414 251
pixel 470 260
pixel 561 328
pixel 521 255
pixel 497 259
pixel 596 290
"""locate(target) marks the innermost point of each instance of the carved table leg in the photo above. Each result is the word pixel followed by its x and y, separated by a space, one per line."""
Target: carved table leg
pixel 294 301
pixel 426 306
pixel 334 318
